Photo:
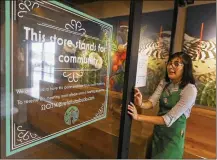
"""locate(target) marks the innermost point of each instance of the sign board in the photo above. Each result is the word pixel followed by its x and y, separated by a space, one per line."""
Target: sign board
pixel 57 65
pixel 141 74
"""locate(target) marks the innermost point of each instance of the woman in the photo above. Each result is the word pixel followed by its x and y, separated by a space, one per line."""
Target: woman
pixel 176 95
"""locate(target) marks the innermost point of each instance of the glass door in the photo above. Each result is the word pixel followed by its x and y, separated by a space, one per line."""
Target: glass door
pixel 154 48
pixel 62 74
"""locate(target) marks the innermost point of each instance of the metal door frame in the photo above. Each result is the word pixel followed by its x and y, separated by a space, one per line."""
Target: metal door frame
pixel 131 68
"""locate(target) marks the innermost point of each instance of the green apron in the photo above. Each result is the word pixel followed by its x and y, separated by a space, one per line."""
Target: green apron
pixel 168 142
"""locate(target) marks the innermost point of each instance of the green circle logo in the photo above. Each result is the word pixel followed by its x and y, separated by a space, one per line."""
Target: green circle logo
pixel 71 115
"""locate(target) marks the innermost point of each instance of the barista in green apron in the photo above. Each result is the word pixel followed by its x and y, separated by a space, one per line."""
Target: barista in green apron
pixel 175 105
pixel 168 142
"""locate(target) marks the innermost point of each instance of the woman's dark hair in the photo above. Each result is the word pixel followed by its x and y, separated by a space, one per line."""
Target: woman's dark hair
pixel 187 76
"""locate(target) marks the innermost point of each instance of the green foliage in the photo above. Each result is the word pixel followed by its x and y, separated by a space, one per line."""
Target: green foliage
pixel 91 77
pixel 155 73
pixel 207 94
pixel 119 78
pixel 153 79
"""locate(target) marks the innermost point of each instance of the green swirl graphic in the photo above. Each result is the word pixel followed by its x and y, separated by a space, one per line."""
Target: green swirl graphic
pixel 71 115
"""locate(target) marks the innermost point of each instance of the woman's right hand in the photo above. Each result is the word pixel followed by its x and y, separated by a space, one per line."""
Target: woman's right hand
pixel 138 97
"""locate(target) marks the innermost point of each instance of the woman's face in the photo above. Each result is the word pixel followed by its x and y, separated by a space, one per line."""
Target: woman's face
pixel 175 69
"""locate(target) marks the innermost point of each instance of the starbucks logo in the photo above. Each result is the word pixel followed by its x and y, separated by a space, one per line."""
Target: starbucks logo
pixel 71 115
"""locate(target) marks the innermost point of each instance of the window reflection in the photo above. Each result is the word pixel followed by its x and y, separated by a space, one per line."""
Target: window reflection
pixel 42 62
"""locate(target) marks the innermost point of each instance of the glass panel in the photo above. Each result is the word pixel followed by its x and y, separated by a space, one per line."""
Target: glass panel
pixel 59 99
pixel 36 62
pixel 156 25
pixel 200 44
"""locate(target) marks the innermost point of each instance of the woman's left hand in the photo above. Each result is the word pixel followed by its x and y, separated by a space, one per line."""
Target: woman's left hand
pixel 132 111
